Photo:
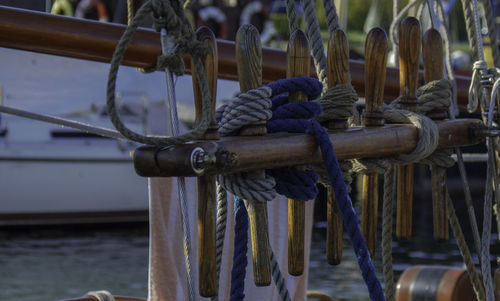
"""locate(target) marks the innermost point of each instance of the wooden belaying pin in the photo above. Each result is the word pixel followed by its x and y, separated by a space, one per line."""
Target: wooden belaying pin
pixel 207 204
pixel 249 62
pixel 298 62
pixel 338 73
pixel 375 68
pixel 410 37
pixel 432 52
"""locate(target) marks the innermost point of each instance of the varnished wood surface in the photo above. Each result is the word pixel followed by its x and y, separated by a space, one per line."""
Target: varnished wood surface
pixel 298 65
pixel 338 73
pixel 410 38
pixel 376 61
pixel 96 41
pixel 249 62
pixel 211 70
pixel 267 151
pixel 334 229
pixel 338 59
pixel 432 52
pixel 207 204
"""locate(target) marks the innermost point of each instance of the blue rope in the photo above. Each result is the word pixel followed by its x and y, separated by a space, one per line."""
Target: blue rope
pixel 313 128
pixel 240 251
pixel 287 180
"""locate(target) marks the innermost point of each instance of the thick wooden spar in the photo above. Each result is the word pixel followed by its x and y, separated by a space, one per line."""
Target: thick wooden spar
pixel 253 153
pixel 376 61
pixel 410 39
pixel 298 65
pixel 207 204
pixel 96 41
pixel 249 62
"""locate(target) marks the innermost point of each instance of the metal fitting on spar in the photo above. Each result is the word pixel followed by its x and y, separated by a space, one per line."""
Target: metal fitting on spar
pixel 185 160
pixel 200 160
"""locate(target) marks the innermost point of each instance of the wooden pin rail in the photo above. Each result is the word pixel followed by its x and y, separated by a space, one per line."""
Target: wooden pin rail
pixel 96 41
pixel 253 153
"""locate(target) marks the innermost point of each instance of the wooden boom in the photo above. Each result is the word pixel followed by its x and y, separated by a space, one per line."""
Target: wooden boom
pixel 96 41
pixel 253 153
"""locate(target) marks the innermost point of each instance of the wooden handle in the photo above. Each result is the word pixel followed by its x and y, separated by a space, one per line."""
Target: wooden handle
pixel 409 51
pixel 338 73
pixel 338 59
pixel 298 61
pixel 206 35
pixel 333 230
pixel 207 204
pixel 249 63
pixel 410 38
pixel 432 52
pixel 375 68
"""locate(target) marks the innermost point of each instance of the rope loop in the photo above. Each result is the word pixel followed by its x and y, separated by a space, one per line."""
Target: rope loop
pixel 480 67
pixel 239 184
pixel 428 133
pixel 183 35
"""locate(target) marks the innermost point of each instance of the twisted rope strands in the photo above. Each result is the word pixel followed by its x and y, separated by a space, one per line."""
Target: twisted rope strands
pixel 293 23
pixel 470 28
pixel 332 19
pixel 492 31
pixel 220 230
pixel 279 281
pixel 240 251
pixel 314 34
pixel 464 250
pixel 486 236
pixel 388 209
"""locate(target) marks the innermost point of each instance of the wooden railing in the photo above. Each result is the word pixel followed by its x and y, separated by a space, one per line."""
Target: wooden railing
pixel 96 41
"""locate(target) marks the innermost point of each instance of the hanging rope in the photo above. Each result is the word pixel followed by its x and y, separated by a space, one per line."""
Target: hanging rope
pixel 314 34
pixel 387 217
pixel 492 31
pixel 240 251
pixel 341 195
pixel 332 19
pixel 220 230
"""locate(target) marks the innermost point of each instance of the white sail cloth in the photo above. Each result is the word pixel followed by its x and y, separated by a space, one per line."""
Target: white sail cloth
pixel 167 273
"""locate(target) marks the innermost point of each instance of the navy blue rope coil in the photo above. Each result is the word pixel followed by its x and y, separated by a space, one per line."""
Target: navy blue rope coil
pixel 240 261
pixel 282 121
pixel 351 221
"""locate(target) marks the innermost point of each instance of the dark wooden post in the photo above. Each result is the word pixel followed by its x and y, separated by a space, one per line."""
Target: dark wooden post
pixel 298 62
pixel 249 62
pixel 207 204
pixel 410 38
pixel 375 67
pixel 432 52
pixel 338 73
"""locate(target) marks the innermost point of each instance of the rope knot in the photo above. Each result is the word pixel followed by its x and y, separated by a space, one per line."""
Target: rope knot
pixel 173 62
pixel 337 103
